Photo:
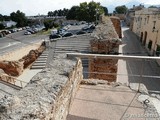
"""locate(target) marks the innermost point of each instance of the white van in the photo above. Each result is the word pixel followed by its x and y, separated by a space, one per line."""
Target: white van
pixel 54 31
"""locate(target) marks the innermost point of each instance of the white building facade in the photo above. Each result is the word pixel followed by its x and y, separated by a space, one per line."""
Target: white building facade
pixel 146 25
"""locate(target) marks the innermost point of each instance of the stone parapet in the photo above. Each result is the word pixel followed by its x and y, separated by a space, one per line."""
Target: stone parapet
pixel 117 25
pixel 49 94
pixel 106 42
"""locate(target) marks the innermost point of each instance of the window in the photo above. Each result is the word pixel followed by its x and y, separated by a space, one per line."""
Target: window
pixel 154 24
pixel 150 45
pixel 158 50
pixel 147 19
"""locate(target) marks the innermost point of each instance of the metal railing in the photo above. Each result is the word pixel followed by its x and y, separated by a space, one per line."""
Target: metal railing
pixel 136 69
pixel 12 80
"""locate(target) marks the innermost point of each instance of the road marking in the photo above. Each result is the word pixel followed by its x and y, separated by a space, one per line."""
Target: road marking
pixel 9 44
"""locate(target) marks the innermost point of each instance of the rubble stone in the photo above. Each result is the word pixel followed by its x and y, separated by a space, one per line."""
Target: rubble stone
pixel 49 94
pixel 117 25
pixel 106 42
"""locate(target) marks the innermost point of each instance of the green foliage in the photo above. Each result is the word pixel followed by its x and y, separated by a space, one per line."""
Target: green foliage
pixel 152 6
pixel 58 12
pixel 20 18
pixel 73 13
pixel 105 10
pixel 4 18
pixel 49 24
pixel 2 26
pixel 121 9
pixel 85 11
pixel 1 17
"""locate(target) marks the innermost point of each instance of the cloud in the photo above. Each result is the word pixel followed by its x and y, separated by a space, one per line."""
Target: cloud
pixel 35 7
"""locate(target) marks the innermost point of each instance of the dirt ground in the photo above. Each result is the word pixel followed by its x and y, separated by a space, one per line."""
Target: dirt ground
pixel 19 53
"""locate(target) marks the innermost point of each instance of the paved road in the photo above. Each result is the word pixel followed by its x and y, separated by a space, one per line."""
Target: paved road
pixel 17 40
pixel 132 46
pixel 75 28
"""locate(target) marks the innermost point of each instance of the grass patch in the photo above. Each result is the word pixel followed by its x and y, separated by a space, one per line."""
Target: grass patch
pixel 43 32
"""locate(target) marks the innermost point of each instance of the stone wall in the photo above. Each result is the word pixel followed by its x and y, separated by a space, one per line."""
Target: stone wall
pixel 106 42
pixel 15 68
pixel 102 67
pixel 49 94
pixel 117 25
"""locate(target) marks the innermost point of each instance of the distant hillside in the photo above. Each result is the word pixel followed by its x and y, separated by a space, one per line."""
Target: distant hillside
pixel 129 5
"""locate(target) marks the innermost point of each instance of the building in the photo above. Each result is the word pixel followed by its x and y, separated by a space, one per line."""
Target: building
pixel 146 26
pixel 130 14
pixel 9 23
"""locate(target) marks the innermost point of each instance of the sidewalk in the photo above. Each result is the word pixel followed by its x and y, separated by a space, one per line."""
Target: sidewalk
pixel 104 102
pixel 27 76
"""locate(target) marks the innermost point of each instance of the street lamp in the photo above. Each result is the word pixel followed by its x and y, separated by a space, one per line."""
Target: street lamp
pixel 97 10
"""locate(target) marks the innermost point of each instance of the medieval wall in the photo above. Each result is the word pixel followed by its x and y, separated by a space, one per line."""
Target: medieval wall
pixel 49 94
pixel 106 42
pixel 117 25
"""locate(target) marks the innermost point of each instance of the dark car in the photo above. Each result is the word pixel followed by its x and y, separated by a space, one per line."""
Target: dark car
pixel 67 34
pixel 85 28
pixel 31 31
pixel 81 32
pixel 1 35
pixel 27 33
pixel 90 27
pixel 54 36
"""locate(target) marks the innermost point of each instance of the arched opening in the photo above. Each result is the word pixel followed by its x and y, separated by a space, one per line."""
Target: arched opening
pixel 150 45
pixel 145 38
pixel 141 38
pixel 158 50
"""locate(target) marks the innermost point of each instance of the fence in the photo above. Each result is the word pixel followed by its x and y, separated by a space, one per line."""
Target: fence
pixel 10 80
pixel 130 69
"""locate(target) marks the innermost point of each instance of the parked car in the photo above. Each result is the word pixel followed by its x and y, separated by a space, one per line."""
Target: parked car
pixel 1 35
pixel 90 27
pixel 11 30
pixel 35 30
pixel 67 34
pixel 27 33
pixel 61 31
pixel 54 36
pixel 80 32
pixel 31 31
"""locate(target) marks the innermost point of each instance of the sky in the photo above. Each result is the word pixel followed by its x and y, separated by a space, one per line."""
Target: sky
pixel 35 7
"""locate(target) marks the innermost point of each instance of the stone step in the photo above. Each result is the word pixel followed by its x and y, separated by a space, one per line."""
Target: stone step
pixel 38 67
pixel 43 57
pixel 44 53
pixel 38 64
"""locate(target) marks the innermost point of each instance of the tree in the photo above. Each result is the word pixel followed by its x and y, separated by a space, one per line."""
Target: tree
pixel 121 9
pixel 85 11
pixel 1 17
pixel 73 13
pixel 49 24
pixel 59 12
pixel 105 10
pixel 6 18
pixel 152 6
pixel 2 26
pixel 50 14
pixel 20 18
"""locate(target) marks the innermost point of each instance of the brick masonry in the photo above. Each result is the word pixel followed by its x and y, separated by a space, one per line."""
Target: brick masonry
pixel 106 42
pixel 117 25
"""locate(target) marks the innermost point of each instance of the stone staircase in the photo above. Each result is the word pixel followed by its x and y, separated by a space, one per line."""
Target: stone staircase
pixel 40 63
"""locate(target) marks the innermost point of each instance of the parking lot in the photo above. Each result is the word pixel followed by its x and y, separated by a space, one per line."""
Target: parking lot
pixel 71 30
